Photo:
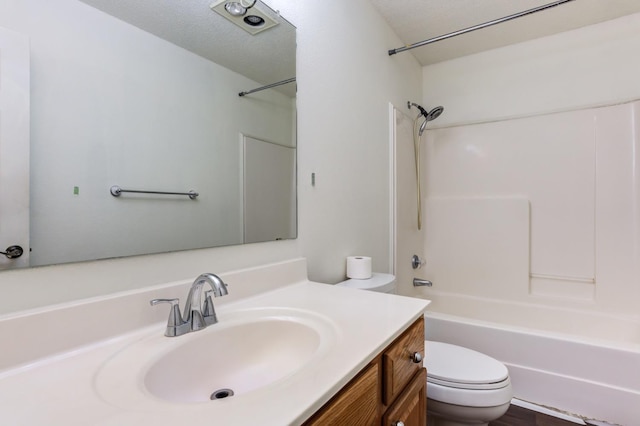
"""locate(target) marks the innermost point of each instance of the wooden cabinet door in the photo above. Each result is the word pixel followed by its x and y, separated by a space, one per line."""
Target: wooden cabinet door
pixel 399 367
pixel 411 406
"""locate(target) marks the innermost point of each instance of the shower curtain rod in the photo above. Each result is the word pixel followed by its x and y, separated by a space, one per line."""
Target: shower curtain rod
pixel 478 27
pixel 268 86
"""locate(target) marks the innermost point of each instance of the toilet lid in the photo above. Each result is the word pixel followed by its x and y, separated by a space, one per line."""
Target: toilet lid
pixel 378 282
pixel 461 366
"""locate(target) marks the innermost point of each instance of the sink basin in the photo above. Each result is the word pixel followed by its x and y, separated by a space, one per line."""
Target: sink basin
pixel 245 352
pixel 235 359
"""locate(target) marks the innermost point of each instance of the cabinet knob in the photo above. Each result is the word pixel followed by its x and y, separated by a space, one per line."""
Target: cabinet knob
pixel 398 423
pixel 416 357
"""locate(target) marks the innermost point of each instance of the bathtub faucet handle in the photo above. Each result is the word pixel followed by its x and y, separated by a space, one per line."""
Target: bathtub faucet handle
pixel 416 262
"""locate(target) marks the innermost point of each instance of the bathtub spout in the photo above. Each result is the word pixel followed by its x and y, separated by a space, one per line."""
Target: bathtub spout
pixel 419 282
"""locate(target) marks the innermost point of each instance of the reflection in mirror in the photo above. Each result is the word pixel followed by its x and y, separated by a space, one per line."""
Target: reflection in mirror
pixel 144 95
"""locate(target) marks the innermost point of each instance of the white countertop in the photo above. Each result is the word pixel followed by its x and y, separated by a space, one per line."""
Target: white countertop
pixel 67 389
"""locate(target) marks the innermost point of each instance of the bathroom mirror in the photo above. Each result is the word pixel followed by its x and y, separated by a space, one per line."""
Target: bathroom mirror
pixel 145 95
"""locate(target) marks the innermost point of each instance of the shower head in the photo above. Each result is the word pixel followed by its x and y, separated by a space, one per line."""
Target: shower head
pixel 428 115
pixel 434 113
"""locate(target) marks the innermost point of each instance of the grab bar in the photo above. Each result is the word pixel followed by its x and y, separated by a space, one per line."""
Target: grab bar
pixel 116 191
pixel 268 86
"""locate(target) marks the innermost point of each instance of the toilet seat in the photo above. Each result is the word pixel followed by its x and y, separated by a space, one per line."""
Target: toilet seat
pixel 461 376
pixel 470 386
pixel 455 366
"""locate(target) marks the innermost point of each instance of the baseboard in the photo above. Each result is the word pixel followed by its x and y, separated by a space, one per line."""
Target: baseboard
pixel 547 411
pixel 591 400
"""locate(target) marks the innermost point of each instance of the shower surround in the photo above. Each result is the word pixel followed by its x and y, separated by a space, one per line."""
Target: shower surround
pixel 532 241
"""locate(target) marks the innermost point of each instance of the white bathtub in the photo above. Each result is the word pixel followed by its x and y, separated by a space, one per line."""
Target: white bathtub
pixel 575 361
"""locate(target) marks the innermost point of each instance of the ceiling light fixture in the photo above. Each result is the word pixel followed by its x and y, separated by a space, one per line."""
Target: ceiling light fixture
pixel 239 8
pixel 254 20
pixel 252 16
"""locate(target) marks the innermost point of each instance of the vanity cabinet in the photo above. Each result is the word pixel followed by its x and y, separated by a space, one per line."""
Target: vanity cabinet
pixel 390 391
pixel 356 404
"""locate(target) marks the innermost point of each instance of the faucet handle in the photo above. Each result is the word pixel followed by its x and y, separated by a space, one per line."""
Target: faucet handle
pixel 208 303
pixel 176 325
pixel 209 312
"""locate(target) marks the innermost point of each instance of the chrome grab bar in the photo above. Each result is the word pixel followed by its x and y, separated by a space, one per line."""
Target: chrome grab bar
pixel 268 86
pixel 116 191
pixel 478 27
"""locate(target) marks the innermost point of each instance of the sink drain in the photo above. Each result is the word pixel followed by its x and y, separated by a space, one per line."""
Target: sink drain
pixel 221 394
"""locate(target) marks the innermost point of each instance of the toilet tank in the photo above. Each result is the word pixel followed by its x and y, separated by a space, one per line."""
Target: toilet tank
pixel 382 283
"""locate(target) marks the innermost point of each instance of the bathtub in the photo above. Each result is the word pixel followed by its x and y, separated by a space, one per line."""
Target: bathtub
pixel 574 361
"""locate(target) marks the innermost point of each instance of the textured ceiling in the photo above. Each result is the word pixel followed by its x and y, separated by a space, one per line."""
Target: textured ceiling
pixel 417 20
pixel 267 57
pixel 193 26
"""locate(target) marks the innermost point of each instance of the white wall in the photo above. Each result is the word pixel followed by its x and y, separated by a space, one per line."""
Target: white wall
pixel 104 113
pixel 540 210
pixel 590 66
pixel 576 244
pixel 345 82
pixel 269 188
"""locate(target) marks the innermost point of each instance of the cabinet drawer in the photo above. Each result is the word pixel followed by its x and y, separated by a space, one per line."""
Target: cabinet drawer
pixel 398 363
pixel 411 406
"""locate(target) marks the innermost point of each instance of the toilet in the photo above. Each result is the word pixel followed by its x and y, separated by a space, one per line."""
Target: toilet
pixel 382 283
pixel 464 387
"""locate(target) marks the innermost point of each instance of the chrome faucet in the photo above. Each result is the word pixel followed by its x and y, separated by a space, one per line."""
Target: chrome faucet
pixel 197 315
pixel 202 315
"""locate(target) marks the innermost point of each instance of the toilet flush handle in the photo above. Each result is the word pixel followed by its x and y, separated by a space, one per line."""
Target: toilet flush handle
pixel 416 357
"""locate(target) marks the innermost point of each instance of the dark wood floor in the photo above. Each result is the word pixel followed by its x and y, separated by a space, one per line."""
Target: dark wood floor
pixel 517 416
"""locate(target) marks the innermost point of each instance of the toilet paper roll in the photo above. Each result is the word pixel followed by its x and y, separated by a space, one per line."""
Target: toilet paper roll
pixel 359 267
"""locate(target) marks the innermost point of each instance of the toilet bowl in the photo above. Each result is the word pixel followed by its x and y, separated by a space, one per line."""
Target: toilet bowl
pixel 464 387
